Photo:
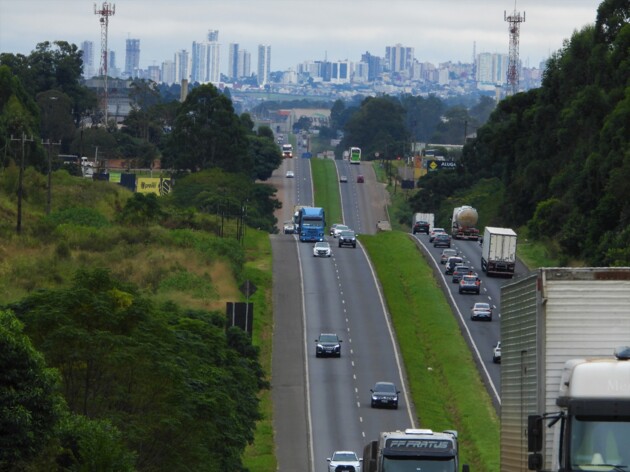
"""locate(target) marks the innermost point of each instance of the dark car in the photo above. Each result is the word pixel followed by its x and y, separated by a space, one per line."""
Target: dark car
pixel 385 394
pixel 421 227
pixel 442 240
pixel 360 179
pixel 470 284
pixel 347 238
pixel 328 345
pixel 459 271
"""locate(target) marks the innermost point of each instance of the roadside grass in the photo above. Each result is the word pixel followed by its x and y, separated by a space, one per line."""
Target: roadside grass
pixel 326 189
pixel 260 455
pixel 446 388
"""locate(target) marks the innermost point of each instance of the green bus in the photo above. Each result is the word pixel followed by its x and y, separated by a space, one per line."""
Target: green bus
pixel 355 155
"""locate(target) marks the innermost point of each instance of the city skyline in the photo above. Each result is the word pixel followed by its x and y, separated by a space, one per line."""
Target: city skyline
pixel 300 30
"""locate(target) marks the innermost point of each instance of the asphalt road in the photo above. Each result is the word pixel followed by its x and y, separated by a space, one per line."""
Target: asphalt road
pixel 338 294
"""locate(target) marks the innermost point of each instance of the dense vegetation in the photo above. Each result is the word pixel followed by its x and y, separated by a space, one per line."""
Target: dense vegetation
pixel 115 349
pixel 558 156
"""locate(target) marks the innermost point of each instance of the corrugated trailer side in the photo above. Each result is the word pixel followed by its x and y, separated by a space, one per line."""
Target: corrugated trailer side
pixel 547 318
pixel 519 304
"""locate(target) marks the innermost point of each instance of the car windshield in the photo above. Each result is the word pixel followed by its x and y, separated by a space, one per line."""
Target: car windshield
pixel 328 338
pixel 385 387
pixel 347 234
pixel 482 306
pixel 469 279
pixel 322 245
pixel 460 269
pixel 345 456
pixel 341 228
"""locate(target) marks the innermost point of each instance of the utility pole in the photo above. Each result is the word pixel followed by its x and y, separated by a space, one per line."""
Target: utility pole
pixel 48 144
pixel 23 139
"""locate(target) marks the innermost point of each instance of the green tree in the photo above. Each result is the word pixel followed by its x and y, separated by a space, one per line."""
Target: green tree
pixel 29 403
pixel 207 134
pixel 378 126
pixel 182 393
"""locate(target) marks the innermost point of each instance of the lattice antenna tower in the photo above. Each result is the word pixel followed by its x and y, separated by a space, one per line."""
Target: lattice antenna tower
pixel 514 20
pixel 107 10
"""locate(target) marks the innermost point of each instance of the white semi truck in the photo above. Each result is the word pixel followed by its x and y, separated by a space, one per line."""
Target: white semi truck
pixel 413 450
pixel 498 251
pixel 422 223
pixel 565 401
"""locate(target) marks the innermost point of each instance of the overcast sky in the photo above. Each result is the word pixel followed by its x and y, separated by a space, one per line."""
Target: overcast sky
pixel 300 30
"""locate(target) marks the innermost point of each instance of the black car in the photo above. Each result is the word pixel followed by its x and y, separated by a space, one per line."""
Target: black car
pixel 385 394
pixel 421 227
pixel 442 240
pixel 347 238
pixel 328 345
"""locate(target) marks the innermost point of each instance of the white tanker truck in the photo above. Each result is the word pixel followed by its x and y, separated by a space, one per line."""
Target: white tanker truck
pixel 463 223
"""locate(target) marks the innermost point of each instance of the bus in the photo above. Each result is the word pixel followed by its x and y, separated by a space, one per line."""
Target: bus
pixel 355 155
pixel 287 150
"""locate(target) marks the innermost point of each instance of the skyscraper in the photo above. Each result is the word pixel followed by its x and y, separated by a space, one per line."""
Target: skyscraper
pixel 87 47
pixel 132 57
pixel 168 72
pixel 214 56
pixel 198 62
pixel 244 64
pixel 233 61
pixel 264 64
pixel 398 58
pixel 182 65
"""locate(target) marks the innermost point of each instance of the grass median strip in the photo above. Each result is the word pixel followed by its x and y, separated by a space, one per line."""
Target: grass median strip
pixel 446 388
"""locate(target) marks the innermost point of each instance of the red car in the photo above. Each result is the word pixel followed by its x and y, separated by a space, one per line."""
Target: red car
pixel 360 179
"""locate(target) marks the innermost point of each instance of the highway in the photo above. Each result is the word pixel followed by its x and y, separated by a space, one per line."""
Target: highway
pixel 323 404
pixel 338 294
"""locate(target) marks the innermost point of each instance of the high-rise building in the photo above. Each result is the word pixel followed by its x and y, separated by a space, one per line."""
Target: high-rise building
pixel 182 66
pixel 398 58
pixel 375 67
pixel 87 48
pixel 198 62
pixel 244 66
pixel 154 74
pixel 264 64
pixel 214 50
pixel 232 61
pixel 492 68
pixel 168 72
pixel 112 69
pixel 340 72
pixel 213 36
pixel 132 57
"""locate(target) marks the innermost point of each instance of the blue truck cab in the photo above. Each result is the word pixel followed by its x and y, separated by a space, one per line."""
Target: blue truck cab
pixel 312 224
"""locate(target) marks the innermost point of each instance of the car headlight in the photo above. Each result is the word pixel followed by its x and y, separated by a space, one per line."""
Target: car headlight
pixel 319 346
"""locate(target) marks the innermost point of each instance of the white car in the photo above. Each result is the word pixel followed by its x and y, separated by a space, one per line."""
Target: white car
pixel 496 353
pixel 289 227
pixel 290 174
pixel 338 229
pixel 344 460
pixel 322 249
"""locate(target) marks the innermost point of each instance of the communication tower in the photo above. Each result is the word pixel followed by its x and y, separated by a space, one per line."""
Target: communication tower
pixel 105 12
pixel 515 20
